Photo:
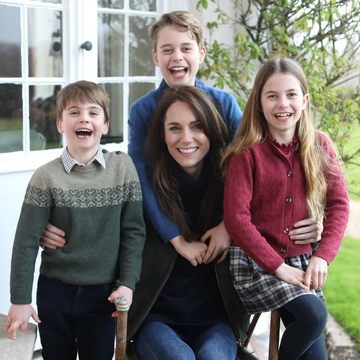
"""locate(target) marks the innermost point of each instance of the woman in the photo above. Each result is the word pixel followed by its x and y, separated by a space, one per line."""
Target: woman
pixel 178 308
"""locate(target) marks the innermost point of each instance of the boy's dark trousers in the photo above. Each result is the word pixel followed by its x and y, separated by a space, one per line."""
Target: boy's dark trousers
pixel 75 319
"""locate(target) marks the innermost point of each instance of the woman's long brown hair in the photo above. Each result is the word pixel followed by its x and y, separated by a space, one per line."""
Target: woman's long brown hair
pixel 166 186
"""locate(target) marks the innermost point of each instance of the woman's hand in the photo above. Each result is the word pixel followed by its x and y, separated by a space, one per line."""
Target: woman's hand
pixel 193 251
pixel 291 275
pixel 308 231
pixel 316 272
pixel 220 242
pixel 123 291
pixel 52 237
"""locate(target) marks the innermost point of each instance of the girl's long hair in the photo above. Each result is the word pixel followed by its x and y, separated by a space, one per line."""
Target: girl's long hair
pixel 253 129
pixel 165 184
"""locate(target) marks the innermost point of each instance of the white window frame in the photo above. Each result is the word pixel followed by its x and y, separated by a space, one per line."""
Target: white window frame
pixel 79 25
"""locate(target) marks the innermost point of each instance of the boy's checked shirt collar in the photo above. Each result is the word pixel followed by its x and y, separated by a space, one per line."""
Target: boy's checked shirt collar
pixel 69 161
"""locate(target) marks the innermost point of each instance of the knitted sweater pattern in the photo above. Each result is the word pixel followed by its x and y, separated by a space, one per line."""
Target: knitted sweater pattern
pixel 100 211
pixel 265 195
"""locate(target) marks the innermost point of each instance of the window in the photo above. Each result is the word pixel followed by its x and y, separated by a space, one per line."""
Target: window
pixel 31 73
pixel 125 65
pixel 46 44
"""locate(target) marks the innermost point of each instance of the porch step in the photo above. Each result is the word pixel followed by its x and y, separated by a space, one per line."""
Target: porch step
pixel 20 349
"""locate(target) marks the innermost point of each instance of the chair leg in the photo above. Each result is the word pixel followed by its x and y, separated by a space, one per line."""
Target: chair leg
pixel 274 335
pixel 122 308
pixel 251 329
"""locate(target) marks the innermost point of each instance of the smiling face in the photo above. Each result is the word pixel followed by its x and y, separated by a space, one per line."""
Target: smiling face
pixel 178 56
pixel 185 138
pixel 282 102
pixel 83 126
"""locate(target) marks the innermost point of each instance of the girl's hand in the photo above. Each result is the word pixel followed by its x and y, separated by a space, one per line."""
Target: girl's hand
pixel 124 291
pixel 316 272
pixel 220 242
pixel 19 315
pixel 193 251
pixel 291 275
pixel 52 237
pixel 308 231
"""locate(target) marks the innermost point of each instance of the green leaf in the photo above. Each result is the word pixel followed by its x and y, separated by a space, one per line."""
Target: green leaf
pixel 202 3
pixel 293 49
pixel 239 37
pixel 265 15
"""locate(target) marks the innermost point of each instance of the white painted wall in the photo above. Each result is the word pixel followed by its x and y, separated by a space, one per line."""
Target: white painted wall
pixel 224 34
pixel 12 191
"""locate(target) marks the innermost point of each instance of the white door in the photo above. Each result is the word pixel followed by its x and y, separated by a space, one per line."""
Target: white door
pixel 44 45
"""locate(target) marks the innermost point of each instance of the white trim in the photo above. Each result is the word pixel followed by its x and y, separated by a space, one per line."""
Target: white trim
pixel 79 24
pixel 18 161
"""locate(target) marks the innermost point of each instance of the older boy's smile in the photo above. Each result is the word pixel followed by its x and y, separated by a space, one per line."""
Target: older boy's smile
pixel 179 71
pixel 178 56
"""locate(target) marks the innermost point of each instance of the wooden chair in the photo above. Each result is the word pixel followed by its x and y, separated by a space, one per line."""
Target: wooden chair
pixel 122 308
pixel 274 333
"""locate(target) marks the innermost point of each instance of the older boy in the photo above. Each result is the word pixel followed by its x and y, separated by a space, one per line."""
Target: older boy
pixel 178 51
pixel 95 197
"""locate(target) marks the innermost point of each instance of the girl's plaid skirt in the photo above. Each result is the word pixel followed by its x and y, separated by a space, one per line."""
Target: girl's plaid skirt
pixel 260 291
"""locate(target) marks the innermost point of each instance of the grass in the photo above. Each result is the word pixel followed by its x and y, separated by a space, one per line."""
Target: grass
pixel 342 288
pixel 10 124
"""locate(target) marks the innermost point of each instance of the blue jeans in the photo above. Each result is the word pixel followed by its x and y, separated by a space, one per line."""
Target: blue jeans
pixel 305 320
pixel 158 341
pixel 75 319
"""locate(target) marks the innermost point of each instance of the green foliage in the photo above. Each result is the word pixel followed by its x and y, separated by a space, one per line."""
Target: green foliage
pixel 342 288
pixel 323 35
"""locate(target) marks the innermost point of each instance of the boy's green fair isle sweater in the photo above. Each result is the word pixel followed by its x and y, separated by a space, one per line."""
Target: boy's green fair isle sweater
pixel 101 212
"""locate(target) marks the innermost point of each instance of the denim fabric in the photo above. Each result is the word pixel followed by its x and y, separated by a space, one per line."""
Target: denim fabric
pixel 305 320
pixel 158 341
pixel 75 319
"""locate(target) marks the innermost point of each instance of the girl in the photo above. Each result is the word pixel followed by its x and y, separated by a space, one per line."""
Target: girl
pixel 281 170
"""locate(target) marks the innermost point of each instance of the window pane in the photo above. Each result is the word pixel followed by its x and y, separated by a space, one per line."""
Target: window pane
pixel 45 43
pixel 146 5
pixel 11 126
pixel 50 1
pixel 10 41
pixel 141 63
pixel 43 131
pixel 111 45
pixel 115 133
pixel 137 90
pixel 111 4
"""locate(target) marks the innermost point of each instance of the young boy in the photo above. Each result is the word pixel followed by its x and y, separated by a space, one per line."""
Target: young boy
pixel 95 197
